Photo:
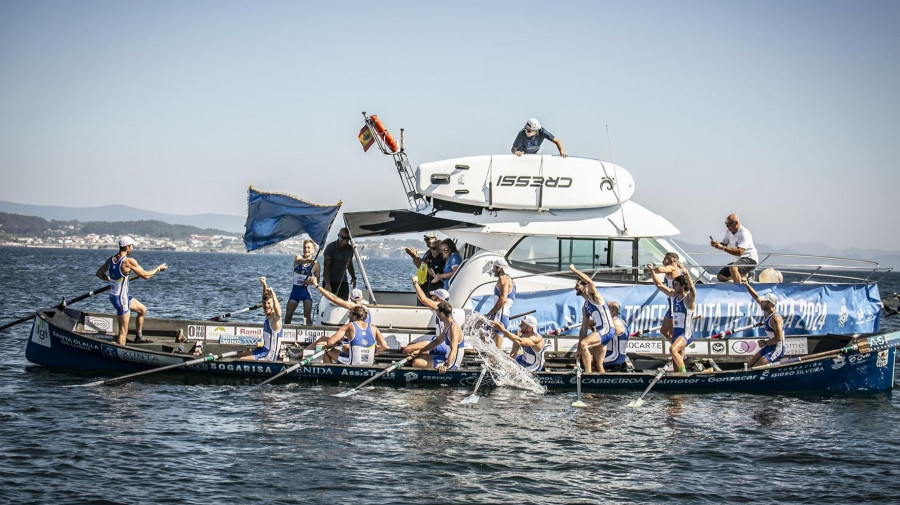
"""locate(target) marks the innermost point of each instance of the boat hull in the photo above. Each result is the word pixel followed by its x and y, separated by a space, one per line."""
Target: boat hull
pixel 57 346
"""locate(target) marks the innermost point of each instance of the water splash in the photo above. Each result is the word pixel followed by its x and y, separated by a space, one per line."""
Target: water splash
pixel 503 369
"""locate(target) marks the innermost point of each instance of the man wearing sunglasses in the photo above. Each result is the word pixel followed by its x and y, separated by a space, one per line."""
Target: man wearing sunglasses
pixel 338 261
pixel 737 242
pixel 529 139
pixel 432 260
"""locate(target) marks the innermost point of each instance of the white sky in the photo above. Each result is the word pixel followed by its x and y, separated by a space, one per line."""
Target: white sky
pixel 785 112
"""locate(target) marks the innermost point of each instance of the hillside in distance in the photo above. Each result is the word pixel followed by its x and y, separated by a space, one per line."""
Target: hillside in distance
pixel 111 213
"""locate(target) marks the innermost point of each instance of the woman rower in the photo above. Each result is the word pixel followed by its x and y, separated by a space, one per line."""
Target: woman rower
pixel 272 327
pixel 446 350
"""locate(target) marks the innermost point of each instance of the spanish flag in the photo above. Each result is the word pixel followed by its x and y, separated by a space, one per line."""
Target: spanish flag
pixel 366 138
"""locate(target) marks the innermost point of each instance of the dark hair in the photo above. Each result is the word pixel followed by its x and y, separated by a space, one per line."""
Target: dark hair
pixel 359 313
pixel 445 308
pixel 616 305
pixel 680 280
pixel 671 256
pixel 450 245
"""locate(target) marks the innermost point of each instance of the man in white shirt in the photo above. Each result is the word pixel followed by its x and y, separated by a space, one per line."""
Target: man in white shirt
pixel 738 242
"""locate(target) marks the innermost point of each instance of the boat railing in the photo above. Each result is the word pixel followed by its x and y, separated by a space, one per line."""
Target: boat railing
pixel 808 268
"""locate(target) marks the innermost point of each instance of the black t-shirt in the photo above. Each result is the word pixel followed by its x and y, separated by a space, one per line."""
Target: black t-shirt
pixel 340 259
pixel 436 263
pixel 531 145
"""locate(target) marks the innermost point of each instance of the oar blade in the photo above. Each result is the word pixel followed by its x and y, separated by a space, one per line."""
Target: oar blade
pixel 470 399
pixel 579 404
pixel 344 394
pixel 636 404
pixel 87 385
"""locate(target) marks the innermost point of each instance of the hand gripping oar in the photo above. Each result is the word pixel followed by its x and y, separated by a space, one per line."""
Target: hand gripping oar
pixel 65 303
pixel 723 334
pixel 473 398
pixel 640 401
pixel 578 402
pixel 393 366
pixel 305 361
pixel 204 359
pixel 226 315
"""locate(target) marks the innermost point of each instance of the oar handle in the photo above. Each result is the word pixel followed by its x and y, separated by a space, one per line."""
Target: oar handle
pixel 522 314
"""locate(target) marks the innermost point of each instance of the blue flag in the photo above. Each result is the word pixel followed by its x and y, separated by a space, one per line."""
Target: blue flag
pixel 273 217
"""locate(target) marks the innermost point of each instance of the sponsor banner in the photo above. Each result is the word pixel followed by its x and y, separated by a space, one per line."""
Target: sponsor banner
pixel 40 333
pixel 236 340
pixel 95 324
pixel 308 335
pixel 807 309
pixel 244 331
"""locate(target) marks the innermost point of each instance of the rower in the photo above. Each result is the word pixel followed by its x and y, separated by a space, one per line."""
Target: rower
pixel 528 340
pixel 771 349
pixel 446 350
pixel 431 301
pixel 683 295
pixel 305 267
pixel 356 298
pixel 670 269
pixel 362 340
pixel 505 291
pixel 273 330
pixel 596 325
pixel 616 359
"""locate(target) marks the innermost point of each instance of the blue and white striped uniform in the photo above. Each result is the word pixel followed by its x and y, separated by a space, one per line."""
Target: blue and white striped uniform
pixel 531 360
pixel 602 320
pixel 774 352
pixel 615 351
pixel 442 352
pixel 502 315
pixel 300 291
pixel 682 320
pixel 362 347
pixel 670 283
pixel 271 343
pixel 118 286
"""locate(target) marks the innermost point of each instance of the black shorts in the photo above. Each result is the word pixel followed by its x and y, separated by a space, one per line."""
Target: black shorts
pixel 745 266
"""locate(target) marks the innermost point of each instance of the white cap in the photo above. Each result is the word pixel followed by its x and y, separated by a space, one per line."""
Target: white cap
pixel 125 241
pixel 530 321
pixel 501 263
pixel 430 234
pixel 533 124
pixel 442 294
pixel 356 294
pixel 769 297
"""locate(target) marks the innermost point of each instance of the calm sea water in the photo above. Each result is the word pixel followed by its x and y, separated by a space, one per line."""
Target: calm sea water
pixel 175 440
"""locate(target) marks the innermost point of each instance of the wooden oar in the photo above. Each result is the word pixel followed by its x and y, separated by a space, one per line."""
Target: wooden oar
pixel 523 314
pixel 723 334
pixel 355 390
pixel 563 329
pixel 303 362
pixel 473 398
pixel 185 364
pixel 65 303
pixel 578 402
pixel 226 315
pixel 865 345
pixel 640 401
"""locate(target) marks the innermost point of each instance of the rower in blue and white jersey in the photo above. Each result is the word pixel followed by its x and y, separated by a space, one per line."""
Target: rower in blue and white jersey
pixel 116 270
pixel 430 301
pixel 273 329
pixel 596 324
pixel 529 341
pixel 771 349
pixel 669 270
pixel 683 297
pixel 305 268
pixel 446 351
pixel 616 350
pixel 505 293
pixel 356 342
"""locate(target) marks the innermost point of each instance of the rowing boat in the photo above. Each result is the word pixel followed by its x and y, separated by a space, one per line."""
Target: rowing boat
pixel 61 340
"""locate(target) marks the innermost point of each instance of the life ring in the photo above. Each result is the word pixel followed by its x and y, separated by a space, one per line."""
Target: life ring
pixel 382 132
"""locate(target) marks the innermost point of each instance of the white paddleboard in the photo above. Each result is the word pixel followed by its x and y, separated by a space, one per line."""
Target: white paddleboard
pixel 529 182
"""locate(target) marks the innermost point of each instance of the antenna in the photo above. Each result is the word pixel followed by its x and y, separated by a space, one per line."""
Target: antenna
pixel 616 175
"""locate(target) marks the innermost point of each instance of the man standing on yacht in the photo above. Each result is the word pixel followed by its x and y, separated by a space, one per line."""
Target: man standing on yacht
pixel 505 291
pixel 530 138
pixel 338 260
pixel 737 242
pixel 432 259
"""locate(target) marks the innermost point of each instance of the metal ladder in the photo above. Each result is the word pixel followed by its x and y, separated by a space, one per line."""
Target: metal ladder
pixel 404 169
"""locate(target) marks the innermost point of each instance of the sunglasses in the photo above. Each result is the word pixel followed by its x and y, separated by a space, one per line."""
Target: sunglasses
pixel 729 223
pixel 445 250
pixel 343 238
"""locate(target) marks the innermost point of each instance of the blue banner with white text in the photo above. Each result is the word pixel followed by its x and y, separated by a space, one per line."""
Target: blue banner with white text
pixel 807 309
